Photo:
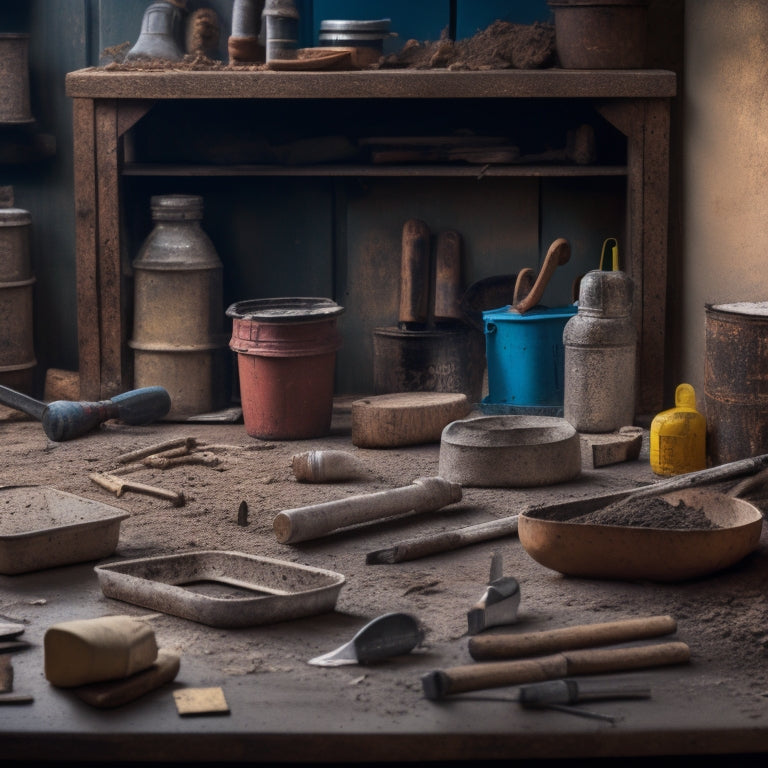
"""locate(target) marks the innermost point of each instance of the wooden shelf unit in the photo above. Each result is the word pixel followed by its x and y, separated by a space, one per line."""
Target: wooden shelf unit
pixel 108 103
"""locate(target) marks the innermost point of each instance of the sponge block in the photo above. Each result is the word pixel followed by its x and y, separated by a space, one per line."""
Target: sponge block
pixel 92 650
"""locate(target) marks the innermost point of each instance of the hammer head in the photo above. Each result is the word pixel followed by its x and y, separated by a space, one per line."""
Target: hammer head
pixel 496 607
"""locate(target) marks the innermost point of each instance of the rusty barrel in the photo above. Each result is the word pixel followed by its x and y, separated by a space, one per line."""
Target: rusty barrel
pixel 736 380
pixel 17 353
pixel 431 360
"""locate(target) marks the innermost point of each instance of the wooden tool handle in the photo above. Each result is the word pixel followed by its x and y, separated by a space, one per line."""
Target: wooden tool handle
pixel 593 661
pixel 478 677
pixel 511 646
pixel 443 541
pixel 559 253
pixel 448 276
pixel 414 273
pixel 303 523
pixel 496 674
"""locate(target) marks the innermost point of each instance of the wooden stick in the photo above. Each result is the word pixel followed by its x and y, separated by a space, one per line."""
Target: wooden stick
pixel 166 462
pixel 188 442
pixel 592 661
pixel 119 486
pixel 444 541
pixel 312 522
pixel 512 646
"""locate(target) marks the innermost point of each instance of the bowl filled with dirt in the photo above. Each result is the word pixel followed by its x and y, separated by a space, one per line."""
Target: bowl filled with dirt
pixel 677 536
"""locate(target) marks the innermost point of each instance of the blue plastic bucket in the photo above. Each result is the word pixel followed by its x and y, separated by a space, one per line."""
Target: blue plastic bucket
pixel 525 354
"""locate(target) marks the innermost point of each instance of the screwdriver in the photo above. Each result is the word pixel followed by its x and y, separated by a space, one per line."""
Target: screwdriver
pixel 563 694
pixel 65 419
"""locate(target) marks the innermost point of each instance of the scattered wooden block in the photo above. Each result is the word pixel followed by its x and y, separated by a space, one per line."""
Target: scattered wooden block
pixel 201 701
pixel 405 418
pixel 601 450
pixel 114 693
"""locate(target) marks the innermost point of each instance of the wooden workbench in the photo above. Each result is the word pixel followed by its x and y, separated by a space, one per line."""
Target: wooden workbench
pixel 106 104
pixel 284 710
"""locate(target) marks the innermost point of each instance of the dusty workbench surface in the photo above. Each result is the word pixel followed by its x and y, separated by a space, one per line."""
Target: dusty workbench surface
pixel 285 710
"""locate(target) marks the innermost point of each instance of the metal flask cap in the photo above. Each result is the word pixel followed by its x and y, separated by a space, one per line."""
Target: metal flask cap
pixel 606 294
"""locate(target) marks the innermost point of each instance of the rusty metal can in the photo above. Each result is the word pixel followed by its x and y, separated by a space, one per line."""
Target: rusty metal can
pixel 178 338
pixel 17 353
pixel 736 380
pixel 14 79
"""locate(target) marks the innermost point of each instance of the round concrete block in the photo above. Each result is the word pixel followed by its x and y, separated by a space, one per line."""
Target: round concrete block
pixel 509 451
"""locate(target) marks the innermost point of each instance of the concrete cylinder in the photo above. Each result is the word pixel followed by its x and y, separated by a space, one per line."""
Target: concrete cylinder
pixel 600 348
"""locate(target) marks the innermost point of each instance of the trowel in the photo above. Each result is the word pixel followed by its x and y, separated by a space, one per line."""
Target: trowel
pixel 392 634
pixel 499 602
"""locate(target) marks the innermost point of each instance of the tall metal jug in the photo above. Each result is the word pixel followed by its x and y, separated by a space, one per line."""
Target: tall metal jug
pixel 600 343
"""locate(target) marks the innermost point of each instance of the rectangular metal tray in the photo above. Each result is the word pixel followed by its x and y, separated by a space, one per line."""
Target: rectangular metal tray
pixel 42 527
pixel 222 589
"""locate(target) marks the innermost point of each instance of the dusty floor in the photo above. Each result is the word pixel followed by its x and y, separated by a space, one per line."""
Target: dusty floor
pixel 723 617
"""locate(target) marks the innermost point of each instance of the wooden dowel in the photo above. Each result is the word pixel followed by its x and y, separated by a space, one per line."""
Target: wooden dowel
pixel 497 674
pixel 444 541
pixel 512 646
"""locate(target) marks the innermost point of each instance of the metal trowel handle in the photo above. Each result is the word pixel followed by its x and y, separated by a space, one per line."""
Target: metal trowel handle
pixel 65 420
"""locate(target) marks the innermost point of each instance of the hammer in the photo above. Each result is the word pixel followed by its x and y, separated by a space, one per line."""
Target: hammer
pixel 64 419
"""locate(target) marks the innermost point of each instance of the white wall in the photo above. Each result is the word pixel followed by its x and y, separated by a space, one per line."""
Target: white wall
pixel 725 181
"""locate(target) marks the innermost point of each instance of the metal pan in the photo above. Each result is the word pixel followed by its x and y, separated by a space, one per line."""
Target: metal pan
pixel 551 537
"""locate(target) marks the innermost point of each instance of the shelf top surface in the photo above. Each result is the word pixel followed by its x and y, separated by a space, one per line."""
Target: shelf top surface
pixel 98 83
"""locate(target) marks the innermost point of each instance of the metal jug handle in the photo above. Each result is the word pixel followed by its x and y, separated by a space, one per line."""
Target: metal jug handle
pixel 614 253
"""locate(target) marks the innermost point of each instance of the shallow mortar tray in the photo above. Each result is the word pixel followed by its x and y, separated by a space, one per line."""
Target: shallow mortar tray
pixel 509 451
pixel 637 553
pixel 222 589
pixel 42 527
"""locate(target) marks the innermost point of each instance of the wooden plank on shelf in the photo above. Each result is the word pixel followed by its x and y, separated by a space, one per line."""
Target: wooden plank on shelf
pixel 655 250
pixel 369 84
pixel 108 224
pixel 419 170
pixel 86 250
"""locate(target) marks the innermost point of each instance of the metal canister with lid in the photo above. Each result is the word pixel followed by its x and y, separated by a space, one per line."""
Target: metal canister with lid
pixel 178 339
pixel 600 343
pixel 17 354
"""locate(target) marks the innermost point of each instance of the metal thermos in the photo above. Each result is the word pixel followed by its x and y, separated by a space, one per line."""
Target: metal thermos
pixel 17 354
pixel 280 29
pixel 178 338
pixel 600 345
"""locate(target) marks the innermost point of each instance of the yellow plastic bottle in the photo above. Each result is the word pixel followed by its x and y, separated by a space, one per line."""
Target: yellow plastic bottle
pixel 678 440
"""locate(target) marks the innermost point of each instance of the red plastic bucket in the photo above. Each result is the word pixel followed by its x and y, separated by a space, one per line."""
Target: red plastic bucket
pixel 286 356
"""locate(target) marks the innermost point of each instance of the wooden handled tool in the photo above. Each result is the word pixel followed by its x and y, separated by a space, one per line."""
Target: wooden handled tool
pixel 414 275
pixel 312 522
pixel 448 277
pixel 592 661
pixel 64 419
pixel 512 646
pixel 443 541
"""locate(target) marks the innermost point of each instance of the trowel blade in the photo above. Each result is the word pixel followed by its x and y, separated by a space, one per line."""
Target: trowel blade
pixel 392 634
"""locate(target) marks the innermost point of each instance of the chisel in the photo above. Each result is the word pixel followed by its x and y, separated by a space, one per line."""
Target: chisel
pixel 64 419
